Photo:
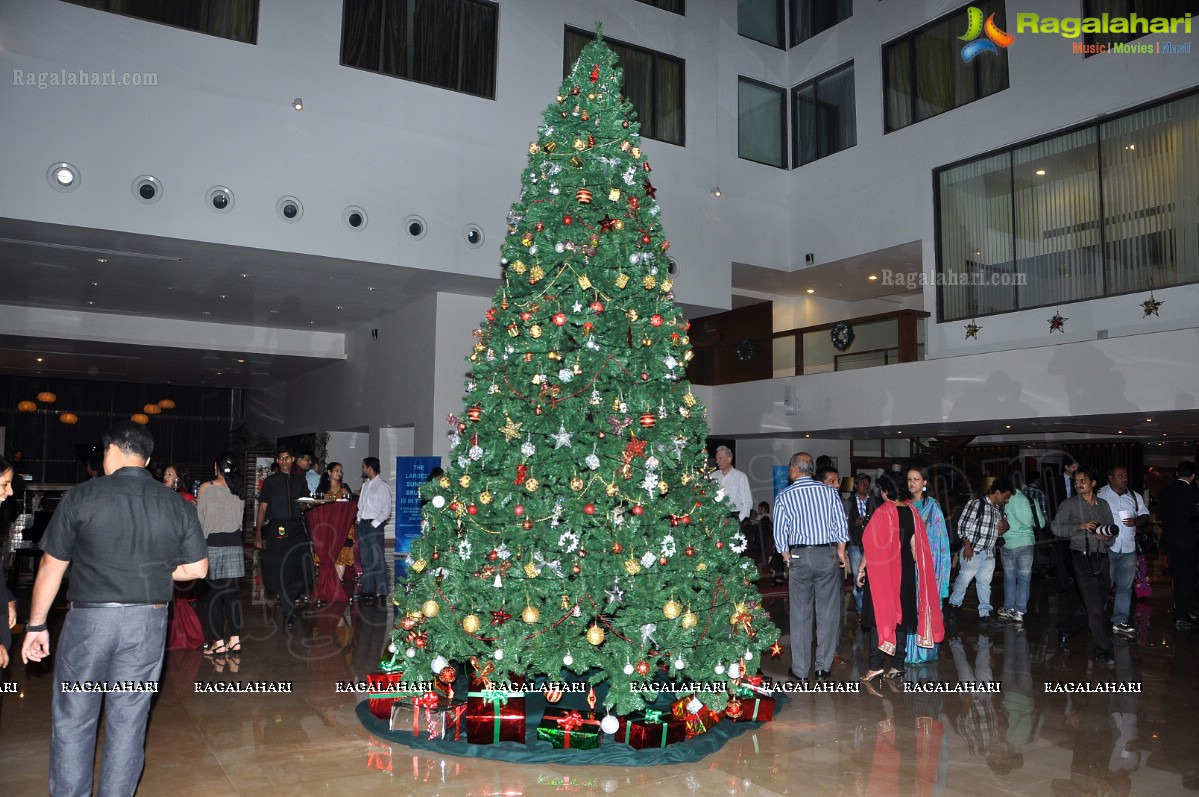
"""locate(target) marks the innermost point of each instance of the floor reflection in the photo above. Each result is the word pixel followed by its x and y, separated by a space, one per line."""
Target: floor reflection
pixel 1034 734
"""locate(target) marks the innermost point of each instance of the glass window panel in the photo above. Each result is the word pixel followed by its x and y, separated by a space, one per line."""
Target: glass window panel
pixel 900 86
pixel 784 356
pixel 1147 9
pixel 761 20
pixel 975 234
pixel 1151 196
pixel 825 120
pixel 1057 234
pixel 760 123
pixel 674 6
pixel 810 17
pixel 228 19
pixel 818 352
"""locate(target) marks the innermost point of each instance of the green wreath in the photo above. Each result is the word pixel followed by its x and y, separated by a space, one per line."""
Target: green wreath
pixel 745 350
pixel 842 336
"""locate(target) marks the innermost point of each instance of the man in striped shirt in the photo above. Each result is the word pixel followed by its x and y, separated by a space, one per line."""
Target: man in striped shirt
pixel 810 530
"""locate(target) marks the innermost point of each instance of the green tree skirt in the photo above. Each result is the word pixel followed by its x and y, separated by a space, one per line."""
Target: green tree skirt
pixel 536 751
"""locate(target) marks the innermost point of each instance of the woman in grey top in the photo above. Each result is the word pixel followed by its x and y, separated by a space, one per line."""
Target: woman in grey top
pixel 221 507
pixel 1087 520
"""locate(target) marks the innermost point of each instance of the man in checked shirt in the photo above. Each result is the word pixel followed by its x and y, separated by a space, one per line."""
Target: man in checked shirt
pixel 980 527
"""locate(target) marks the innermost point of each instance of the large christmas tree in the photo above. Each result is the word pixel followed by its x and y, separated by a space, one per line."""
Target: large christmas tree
pixel 576 527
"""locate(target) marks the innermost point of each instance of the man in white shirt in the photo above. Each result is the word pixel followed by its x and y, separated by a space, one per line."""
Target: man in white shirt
pixel 734 482
pixel 1130 512
pixel 374 509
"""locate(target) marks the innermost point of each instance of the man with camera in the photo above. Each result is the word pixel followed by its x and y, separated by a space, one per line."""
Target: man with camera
pixel 1087 521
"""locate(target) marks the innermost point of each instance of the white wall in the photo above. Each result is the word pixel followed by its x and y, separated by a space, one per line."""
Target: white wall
pixel 348 448
pixel 457 316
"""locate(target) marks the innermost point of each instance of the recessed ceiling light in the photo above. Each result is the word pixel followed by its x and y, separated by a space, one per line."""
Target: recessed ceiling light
pixel 1009 426
pixel 39 359
pixel 1119 431
pixel 1131 146
pixel 241 361
pixel 95 285
pixel 1040 172
pixel 298 104
pixel 243 276
pixel 101 259
pixel 339 307
pixel 811 290
pixel 1148 420
pixel 370 289
pixel 872 277
pixel 274 311
pixel 90 303
pixel 207 313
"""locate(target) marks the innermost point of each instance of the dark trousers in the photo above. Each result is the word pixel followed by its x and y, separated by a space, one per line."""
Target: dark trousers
pixel 283 562
pixel 103 645
pixel 1184 567
pixel 1092 575
pixel 224 609
pixel 901 649
pixel 374 565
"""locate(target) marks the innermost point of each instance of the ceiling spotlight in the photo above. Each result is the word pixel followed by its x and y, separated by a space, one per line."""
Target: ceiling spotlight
pixel 101 259
pixel 63 176
pixel 811 290
pixel 298 104
pixel 244 276
pixel 716 191
pixel 1009 426
pixel 1148 420
pixel 241 361
pixel 39 359
pixel 1040 172
pixel 872 277
pixel 1119 431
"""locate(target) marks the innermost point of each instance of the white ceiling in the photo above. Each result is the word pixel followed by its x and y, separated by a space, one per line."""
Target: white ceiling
pixel 848 280
pixel 101 271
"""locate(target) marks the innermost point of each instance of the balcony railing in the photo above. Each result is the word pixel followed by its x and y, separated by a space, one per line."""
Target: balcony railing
pixel 880 339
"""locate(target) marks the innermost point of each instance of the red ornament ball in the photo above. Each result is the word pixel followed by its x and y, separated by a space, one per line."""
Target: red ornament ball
pixel 472 510
pixel 655 320
pixel 518 510
pixel 674 521
pixel 719 544
pixel 589 509
pixel 597 307
pixel 568 220
pixel 407 623
pixel 637 510
pixel 559 319
pixel 645 377
pixel 436 556
pixel 537 410
pixel 642 667
pixel 662 560
pixel 453 506
pixel 539 226
pixel 617 547
pixel 689 551
pixel 461 428
pixel 525 316
pixel 582 553
pixel 645 239
pixel 447 675
pixel 527 524
pixel 574 90
pixel 686 520
pixel 576 569
pixel 420 642
pixel 492 555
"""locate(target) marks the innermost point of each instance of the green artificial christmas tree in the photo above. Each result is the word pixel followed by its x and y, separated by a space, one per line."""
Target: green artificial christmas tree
pixel 576 527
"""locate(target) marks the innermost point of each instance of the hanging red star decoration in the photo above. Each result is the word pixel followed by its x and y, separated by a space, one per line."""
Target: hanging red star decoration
pixel 500 617
pixel 1150 306
pixel 775 650
pixel 595 74
pixel 607 224
pixel 635 448
pixel 1057 323
pixel 650 191
pixel 972 330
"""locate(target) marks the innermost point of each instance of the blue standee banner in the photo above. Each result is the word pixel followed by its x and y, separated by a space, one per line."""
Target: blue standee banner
pixel 411 473
pixel 780 480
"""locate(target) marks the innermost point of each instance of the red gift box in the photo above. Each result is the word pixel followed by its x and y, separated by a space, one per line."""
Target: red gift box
pixel 756 702
pixel 495 715
pixel 384 689
pixel 567 730
pixel 650 729
pixel 696 717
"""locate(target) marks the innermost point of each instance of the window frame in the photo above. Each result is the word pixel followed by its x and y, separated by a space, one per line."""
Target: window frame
pixel 796 161
pixel 254 25
pixel 1096 122
pixel 654 55
pixel 910 38
pixel 378 69
pixel 659 4
pixel 784 115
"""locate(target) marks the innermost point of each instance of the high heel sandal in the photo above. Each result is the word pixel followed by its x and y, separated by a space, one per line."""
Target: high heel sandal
pixel 894 673
pixel 871 675
pixel 215 649
pixel 231 649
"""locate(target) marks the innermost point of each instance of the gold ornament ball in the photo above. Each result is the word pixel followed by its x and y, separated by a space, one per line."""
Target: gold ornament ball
pixel 444 481
pixel 430 608
pixel 595 635
pixel 619 224
pixel 419 565
pixel 531 485
pixel 612 490
pixel 471 623
pixel 632 567
pixel 690 620
pixel 535 330
pixel 485 497
pixel 530 614
pixel 672 609
pixel 576 484
pixel 464 481
pixel 531 570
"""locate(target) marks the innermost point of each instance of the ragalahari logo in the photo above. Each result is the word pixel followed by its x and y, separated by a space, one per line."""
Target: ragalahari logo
pixel 996 38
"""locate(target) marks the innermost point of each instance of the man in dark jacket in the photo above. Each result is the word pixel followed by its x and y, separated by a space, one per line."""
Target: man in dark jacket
pixel 1178 509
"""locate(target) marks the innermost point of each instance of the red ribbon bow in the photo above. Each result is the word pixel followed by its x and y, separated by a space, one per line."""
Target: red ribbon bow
pixel 570 721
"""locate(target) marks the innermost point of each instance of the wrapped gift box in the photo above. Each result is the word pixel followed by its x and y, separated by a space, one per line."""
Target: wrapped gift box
pixel 384 689
pixel 696 717
pixel 494 716
pixel 756 701
pixel 649 729
pixel 569 730
pixel 435 716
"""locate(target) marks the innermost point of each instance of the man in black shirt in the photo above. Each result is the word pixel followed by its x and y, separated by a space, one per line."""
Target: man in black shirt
pixel 126 538
pixel 285 544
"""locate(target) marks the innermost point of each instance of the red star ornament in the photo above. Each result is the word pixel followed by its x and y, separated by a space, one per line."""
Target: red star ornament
pixel 607 224
pixel 650 191
pixel 1057 324
pixel 635 448
pixel 775 650
pixel 500 617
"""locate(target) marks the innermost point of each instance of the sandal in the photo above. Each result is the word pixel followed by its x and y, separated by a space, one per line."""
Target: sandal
pixel 215 649
pixel 871 675
pixel 894 673
pixel 234 648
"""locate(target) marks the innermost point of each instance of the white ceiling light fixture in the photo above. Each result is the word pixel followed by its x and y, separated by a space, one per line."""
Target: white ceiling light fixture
pixel 298 104
pixel 62 176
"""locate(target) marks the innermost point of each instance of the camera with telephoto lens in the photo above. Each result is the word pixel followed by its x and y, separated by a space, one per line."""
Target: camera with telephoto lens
pixel 1106 530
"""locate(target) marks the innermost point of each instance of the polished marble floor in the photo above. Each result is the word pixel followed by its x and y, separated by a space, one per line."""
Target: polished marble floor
pixel 1021 740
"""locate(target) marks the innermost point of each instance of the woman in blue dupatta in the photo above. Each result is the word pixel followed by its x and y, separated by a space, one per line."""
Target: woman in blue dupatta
pixel 938 543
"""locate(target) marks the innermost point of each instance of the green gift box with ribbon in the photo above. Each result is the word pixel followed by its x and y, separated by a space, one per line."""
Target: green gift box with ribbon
pixel 570 730
pixel 494 716
pixel 650 729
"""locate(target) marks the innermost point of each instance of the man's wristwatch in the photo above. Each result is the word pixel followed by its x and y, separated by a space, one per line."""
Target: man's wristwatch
pixel 33 629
